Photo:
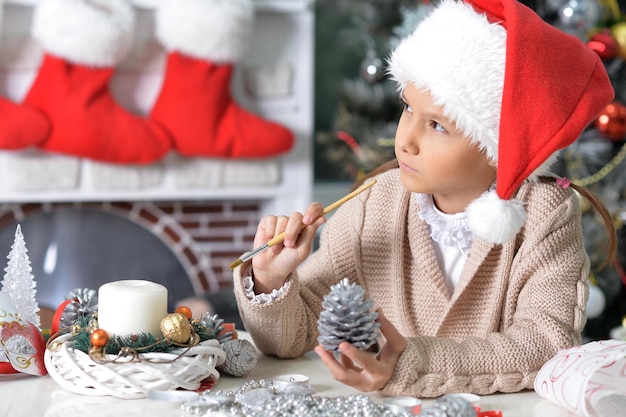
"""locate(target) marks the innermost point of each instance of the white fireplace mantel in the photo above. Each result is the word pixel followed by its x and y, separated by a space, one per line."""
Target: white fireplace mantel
pixel 275 80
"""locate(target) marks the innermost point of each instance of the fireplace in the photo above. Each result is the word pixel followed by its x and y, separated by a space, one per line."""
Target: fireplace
pixel 180 221
pixel 186 246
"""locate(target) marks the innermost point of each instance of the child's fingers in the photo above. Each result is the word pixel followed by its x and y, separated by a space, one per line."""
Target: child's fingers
pixel 395 340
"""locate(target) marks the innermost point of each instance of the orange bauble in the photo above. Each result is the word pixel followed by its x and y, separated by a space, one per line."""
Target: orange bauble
pixel 99 338
pixel 185 311
pixel 611 122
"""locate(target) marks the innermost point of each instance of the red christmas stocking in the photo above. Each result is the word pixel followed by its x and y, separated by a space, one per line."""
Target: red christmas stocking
pixel 83 40
pixel 21 126
pixel 195 103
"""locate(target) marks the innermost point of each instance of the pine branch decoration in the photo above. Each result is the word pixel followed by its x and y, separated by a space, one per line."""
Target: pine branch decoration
pixel 347 317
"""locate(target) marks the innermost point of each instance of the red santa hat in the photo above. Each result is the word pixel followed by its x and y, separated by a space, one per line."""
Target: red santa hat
pixel 518 87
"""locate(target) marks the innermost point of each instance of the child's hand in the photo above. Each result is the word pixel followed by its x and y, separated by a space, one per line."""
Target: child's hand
pixel 272 267
pixel 364 370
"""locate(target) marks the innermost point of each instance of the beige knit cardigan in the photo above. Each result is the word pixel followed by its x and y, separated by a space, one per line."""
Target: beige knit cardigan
pixel 515 305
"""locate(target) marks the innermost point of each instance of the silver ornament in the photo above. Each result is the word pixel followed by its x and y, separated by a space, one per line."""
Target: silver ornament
pixel 347 317
pixel 450 406
pixel 84 303
pixel 578 17
pixel 241 357
pixel 261 398
pixel 372 68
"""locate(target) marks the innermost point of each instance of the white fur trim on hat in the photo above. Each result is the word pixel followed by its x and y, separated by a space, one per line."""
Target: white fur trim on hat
pixel 493 219
pixel 459 57
pixel 214 30
pixel 87 32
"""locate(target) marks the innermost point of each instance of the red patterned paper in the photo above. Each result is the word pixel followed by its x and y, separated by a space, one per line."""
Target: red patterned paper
pixel 589 380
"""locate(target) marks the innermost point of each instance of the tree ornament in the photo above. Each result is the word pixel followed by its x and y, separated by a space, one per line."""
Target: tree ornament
pixel 99 338
pixel 578 17
pixel 241 357
pixel 618 30
pixel 347 318
pixel 176 328
pixel 611 122
pixel 604 44
pixel 185 311
pixel 372 67
pixel 450 406
pixel 18 283
pixel 596 302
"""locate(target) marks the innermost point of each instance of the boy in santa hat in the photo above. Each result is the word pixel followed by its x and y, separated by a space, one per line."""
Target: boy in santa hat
pixel 472 253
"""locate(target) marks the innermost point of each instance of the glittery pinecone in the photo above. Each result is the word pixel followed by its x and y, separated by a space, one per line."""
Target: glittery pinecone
pixel 347 317
pixel 216 325
pixel 84 302
pixel 241 357
pixel 450 406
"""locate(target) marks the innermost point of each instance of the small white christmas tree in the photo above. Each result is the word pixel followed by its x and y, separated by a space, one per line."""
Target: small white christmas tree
pixel 18 283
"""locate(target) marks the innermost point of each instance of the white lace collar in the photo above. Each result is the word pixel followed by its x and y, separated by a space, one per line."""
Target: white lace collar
pixel 446 229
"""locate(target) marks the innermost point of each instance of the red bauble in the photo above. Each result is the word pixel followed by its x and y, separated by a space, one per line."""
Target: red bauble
pixel 604 44
pixel 611 122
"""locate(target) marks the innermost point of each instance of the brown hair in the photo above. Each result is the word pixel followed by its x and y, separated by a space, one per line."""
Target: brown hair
pixel 595 202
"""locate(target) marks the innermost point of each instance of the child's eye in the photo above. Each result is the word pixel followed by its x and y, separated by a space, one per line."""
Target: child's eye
pixel 406 107
pixel 438 126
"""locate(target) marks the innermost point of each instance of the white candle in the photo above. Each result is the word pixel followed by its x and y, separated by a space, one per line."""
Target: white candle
pixel 132 307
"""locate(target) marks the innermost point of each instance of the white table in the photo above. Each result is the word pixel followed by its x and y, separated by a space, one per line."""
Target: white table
pixel 29 396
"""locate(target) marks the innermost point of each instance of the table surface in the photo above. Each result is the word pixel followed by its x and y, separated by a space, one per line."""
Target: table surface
pixel 31 396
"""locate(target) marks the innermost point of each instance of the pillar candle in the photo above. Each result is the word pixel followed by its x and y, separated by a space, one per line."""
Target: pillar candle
pixel 132 307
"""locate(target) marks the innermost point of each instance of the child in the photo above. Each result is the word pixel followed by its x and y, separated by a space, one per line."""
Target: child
pixel 473 256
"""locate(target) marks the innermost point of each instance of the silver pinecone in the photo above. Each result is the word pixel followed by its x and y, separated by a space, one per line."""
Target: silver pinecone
pixel 84 303
pixel 347 317
pixel 216 324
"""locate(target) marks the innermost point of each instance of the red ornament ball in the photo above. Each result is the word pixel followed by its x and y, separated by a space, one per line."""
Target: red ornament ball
pixel 604 44
pixel 99 338
pixel 611 122
pixel 184 310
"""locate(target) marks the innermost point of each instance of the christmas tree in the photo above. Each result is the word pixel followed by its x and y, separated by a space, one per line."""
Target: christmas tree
pixel 18 283
pixel 358 108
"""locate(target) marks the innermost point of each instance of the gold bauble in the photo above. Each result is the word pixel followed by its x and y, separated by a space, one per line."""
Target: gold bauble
pixel 176 328
pixel 618 30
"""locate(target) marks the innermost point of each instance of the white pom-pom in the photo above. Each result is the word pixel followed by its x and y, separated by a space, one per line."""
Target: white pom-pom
pixel 494 219
pixel 87 33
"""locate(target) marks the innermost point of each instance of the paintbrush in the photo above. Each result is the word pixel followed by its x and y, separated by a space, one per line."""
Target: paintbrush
pixel 279 238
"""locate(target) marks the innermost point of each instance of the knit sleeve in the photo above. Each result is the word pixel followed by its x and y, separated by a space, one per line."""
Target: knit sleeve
pixel 287 325
pixel 542 312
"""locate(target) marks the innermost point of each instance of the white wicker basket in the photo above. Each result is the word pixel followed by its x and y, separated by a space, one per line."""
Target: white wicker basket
pixel 74 370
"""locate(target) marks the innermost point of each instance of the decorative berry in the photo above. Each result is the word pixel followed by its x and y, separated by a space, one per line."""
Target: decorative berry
pixel 185 311
pixel 99 338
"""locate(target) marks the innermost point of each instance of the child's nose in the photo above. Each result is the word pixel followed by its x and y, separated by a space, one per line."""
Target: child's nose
pixel 407 143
